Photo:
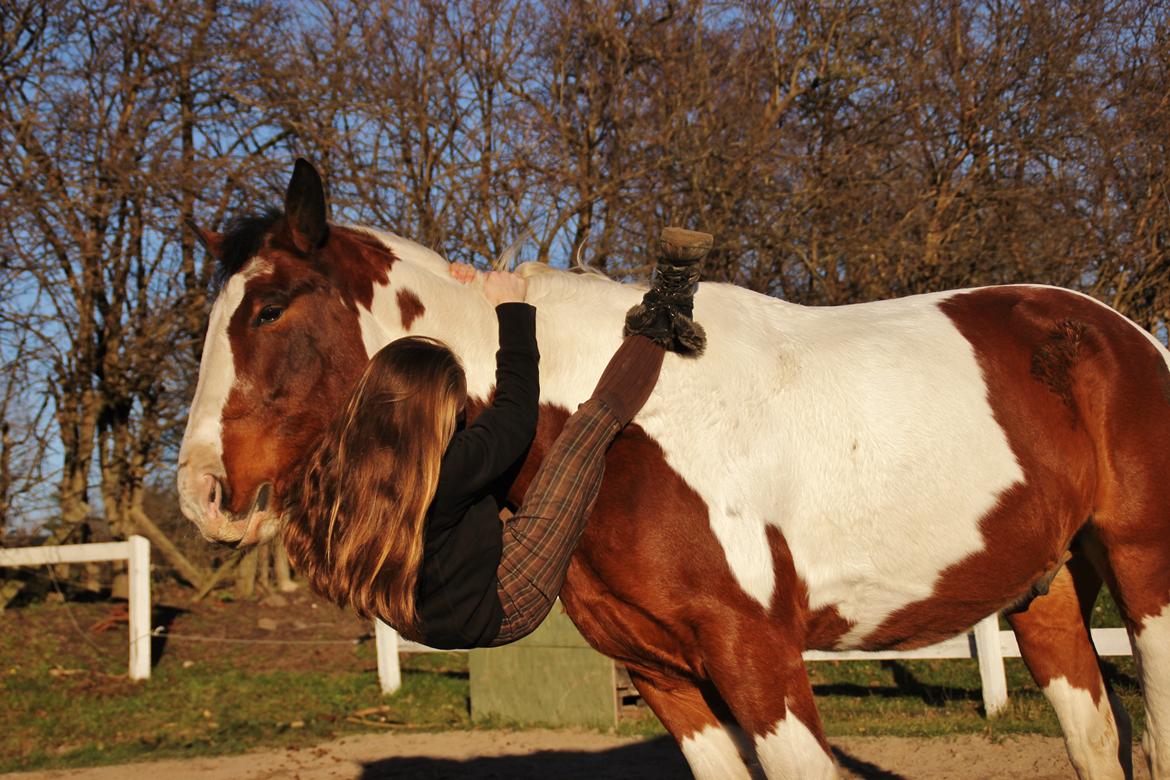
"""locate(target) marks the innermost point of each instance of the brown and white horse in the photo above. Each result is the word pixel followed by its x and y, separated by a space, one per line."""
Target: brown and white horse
pixel 870 476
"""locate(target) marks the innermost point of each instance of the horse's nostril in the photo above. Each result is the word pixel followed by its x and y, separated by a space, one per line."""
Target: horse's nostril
pixel 213 489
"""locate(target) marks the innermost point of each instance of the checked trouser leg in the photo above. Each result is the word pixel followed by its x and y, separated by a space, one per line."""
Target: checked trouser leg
pixel 540 538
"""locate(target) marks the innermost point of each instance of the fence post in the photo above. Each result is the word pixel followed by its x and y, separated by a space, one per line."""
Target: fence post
pixel 991 671
pixel 139 574
pixel 386 646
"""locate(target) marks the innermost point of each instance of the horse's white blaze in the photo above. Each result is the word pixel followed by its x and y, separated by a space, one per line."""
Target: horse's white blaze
pixel 1090 731
pixel 201 451
pixel 833 424
pixel 712 755
pixel 1152 643
pixel 790 750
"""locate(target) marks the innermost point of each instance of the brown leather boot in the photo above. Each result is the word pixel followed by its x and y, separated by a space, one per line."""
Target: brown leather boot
pixel 665 315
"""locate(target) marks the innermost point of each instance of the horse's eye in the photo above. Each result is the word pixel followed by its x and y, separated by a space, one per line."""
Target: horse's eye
pixel 269 314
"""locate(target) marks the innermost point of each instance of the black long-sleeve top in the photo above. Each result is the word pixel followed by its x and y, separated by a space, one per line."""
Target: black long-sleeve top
pixel 457 602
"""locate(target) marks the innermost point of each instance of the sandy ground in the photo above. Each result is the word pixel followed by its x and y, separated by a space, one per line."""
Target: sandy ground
pixel 566 755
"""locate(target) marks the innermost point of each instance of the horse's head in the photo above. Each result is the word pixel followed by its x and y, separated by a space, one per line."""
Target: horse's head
pixel 284 348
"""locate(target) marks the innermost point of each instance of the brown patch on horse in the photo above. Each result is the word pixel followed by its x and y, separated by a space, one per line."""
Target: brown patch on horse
pixel 410 307
pixel 822 629
pixel 826 627
pixel 1072 472
pixel 1027 532
pixel 356 262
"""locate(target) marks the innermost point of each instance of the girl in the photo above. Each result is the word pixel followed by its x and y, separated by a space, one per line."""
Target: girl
pixel 396 515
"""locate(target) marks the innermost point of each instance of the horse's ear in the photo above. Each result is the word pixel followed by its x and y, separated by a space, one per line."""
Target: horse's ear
pixel 211 241
pixel 304 205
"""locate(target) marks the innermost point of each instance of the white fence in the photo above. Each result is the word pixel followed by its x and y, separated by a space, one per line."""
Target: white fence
pixel 136 551
pixel 985 643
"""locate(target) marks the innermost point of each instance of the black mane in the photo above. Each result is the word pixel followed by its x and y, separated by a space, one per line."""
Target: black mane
pixel 241 241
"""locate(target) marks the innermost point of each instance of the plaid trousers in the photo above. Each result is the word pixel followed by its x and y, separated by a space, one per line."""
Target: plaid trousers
pixel 540 538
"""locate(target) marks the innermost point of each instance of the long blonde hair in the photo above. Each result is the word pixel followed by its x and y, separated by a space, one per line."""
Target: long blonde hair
pixel 355 527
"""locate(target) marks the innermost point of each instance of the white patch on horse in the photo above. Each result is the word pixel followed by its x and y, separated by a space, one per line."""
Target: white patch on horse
pixel 1090 731
pixel 712 755
pixel 201 451
pixel 1152 644
pixel 790 750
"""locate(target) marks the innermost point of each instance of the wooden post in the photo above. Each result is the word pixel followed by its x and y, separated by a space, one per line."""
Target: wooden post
pixel 386 646
pixel 991 672
pixel 139 576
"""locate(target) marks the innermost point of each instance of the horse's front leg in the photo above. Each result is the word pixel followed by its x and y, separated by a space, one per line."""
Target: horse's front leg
pixel 754 660
pixel 699 721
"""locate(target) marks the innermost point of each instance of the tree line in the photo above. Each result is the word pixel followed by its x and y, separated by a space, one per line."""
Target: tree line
pixel 840 152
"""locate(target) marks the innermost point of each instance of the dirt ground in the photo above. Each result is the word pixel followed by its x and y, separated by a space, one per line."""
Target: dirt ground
pixel 567 755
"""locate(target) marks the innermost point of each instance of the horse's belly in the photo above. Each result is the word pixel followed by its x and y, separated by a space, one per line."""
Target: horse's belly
pixel 871 553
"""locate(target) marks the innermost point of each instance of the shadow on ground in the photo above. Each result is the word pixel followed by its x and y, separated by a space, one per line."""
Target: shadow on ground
pixel 863 769
pixel 655 759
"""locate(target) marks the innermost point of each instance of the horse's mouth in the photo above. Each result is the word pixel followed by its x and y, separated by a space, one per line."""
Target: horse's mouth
pixel 257 526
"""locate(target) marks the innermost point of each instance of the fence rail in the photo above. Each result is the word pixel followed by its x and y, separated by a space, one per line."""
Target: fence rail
pixel 136 552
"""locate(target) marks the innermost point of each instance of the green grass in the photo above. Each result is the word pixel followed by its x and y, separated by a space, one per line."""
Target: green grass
pixel 936 698
pixel 178 713
pixel 66 705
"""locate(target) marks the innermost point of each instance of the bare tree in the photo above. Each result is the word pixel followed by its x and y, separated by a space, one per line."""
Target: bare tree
pixel 99 121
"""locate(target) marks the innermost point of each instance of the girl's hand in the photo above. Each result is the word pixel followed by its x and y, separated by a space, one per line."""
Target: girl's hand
pixel 504 287
pixel 463 273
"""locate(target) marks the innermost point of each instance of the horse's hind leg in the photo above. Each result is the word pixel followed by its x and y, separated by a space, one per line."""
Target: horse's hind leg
pixel 710 740
pixel 1140 579
pixel 1053 634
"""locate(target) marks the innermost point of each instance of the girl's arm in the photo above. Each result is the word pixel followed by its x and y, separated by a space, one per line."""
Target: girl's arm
pixel 497 438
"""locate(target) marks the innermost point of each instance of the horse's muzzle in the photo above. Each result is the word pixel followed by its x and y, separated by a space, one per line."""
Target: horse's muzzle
pixel 203 504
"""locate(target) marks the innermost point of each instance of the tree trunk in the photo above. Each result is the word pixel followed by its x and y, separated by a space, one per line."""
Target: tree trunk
pixel 214 579
pixel 284 580
pixel 263 575
pixel 160 541
pixel 246 574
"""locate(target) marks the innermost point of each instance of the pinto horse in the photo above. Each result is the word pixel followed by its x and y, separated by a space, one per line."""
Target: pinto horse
pixel 872 476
